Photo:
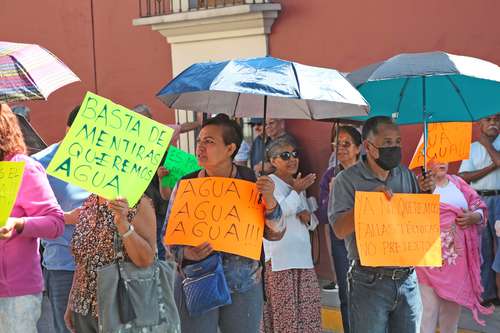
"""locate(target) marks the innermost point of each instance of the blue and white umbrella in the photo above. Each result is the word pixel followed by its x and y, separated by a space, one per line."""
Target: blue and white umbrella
pixel 264 87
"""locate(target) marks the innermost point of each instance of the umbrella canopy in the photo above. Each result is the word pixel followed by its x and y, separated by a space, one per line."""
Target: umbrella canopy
pixel 430 87
pixel 28 71
pixel 264 87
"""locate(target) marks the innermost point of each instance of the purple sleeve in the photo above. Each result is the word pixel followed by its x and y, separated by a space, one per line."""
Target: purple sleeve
pixel 324 192
pixel 42 214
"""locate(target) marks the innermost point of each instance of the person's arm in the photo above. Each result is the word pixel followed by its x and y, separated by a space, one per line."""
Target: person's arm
pixel 472 176
pixel 274 217
pixel 141 243
pixel 68 314
pixel 324 193
pixel 341 207
pixel 165 191
pixel 469 172
pixel 190 126
pixel 344 224
pixel 490 149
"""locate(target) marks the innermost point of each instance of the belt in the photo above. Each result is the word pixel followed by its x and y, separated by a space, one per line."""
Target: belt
pixel 488 193
pixel 391 273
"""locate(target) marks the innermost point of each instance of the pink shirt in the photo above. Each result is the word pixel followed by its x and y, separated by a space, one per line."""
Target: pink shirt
pixel 20 271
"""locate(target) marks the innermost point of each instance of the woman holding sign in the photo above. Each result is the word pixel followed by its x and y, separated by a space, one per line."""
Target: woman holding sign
pixel 457 283
pixel 292 288
pixel 35 215
pixel 229 296
pixel 98 225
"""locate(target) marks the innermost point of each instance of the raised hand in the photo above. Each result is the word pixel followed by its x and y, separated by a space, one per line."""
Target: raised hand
pixel 302 183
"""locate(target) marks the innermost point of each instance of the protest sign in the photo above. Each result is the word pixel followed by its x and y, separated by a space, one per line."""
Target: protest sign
pixel 222 211
pixel 11 175
pixel 179 163
pixel 110 150
pixel 447 142
pixel 403 231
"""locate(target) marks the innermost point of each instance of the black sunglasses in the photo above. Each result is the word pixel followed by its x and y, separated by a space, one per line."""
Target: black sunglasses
pixel 286 155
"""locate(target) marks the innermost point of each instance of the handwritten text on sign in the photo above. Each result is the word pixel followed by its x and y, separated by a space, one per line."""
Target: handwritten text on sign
pixel 403 231
pixel 11 174
pixel 222 211
pixel 110 150
pixel 179 163
pixel 447 142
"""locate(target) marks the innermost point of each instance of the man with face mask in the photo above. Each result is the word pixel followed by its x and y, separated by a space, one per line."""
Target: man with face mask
pixel 381 299
pixel 482 171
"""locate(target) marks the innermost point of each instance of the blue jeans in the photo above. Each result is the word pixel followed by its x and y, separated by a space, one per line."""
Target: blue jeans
pixel 381 304
pixel 58 285
pixel 488 239
pixel 341 263
pixel 243 315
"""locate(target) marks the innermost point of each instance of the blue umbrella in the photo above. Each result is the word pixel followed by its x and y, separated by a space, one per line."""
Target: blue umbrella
pixel 430 87
pixel 264 87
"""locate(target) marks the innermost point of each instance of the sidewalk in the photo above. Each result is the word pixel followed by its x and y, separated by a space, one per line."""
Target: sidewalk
pixel 332 321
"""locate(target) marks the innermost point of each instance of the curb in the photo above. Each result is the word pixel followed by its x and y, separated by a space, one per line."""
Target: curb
pixel 331 321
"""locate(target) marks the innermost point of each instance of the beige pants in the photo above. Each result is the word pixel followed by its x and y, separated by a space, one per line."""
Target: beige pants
pixel 20 313
pixel 438 310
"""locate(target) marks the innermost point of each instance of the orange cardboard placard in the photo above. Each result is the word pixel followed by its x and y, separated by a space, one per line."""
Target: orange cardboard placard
pixel 403 231
pixel 447 142
pixel 222 211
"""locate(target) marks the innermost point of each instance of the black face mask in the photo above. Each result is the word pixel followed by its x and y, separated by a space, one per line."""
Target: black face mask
pixel 388 157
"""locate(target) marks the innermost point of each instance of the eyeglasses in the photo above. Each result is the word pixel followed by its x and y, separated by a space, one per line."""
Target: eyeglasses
pixel 343 144
pixel 286 155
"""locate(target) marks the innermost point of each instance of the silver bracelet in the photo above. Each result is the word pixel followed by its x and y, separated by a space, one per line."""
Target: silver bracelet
pixel 129 231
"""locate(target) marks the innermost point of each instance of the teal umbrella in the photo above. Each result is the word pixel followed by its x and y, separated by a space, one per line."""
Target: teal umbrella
pixel 428 87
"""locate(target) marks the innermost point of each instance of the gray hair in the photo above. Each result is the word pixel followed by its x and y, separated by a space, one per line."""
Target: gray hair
pixel 276 145
pixel 143 109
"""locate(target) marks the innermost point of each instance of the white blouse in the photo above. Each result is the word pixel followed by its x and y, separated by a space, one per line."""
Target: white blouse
pixel 293 251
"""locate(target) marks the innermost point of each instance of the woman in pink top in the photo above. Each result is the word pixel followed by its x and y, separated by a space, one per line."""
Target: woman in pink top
pixel 36 214
pixel 457 283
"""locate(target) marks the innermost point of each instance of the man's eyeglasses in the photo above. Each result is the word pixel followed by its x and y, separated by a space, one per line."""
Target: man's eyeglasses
pixel 343 144
pixel 286 155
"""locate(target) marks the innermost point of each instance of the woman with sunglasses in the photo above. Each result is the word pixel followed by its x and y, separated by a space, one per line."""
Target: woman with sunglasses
pixel 292 289
pixel 347 153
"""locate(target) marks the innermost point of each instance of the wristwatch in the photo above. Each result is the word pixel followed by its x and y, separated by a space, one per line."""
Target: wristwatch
pixel 129 231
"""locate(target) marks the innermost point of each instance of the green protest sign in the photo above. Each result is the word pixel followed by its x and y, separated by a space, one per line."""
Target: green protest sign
pixel 11 175
pixel 110 150
pixel 179 163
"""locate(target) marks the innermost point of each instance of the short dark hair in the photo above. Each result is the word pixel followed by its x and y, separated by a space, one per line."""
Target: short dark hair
pixel 353 133
pixel 231 130
pixel 72 115
pixel 371 125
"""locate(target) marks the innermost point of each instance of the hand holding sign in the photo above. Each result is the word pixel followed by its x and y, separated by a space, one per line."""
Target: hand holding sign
pixel 197 253
pixel 13 223
pixel 223 212
pixel 178 163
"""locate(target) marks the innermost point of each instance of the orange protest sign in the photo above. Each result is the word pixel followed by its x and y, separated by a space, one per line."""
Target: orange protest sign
pixel 403 231
pixel 447 142
pixel 222 211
